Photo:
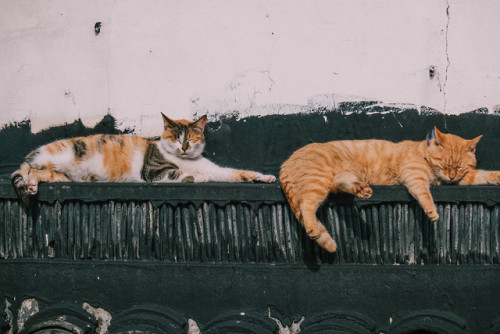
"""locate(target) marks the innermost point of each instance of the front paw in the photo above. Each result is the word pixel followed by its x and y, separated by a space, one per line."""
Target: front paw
pixel 32 187
pixel 433 215
pixel 249 176
pixel 495 179
pixel 188 179
pixel 266 178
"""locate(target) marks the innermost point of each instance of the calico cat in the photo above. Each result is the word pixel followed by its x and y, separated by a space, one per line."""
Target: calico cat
pixel 350 166
pixel 176 157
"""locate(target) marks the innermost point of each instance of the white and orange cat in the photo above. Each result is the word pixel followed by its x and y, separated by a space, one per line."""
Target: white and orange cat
pixel 176 157
pixel 350 166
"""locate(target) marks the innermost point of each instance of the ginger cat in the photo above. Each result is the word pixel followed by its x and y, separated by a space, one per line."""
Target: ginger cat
pixel 176 157
pixel 351 165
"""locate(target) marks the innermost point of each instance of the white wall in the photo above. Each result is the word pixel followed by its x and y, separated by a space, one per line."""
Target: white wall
pixel 254 57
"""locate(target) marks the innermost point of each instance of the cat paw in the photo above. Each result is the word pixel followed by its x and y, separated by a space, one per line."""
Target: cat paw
pixel 494 178
pixel 32 188
pixel 266 178
pixel 188 179
pixel 362 190
pixel 433 215
pixel 249 176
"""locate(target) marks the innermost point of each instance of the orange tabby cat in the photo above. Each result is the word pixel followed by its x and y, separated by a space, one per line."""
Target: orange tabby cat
pixel 351 165
pixel 176 157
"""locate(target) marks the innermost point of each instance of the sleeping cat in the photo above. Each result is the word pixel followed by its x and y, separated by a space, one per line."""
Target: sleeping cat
pixel 351 165
pixel 176 157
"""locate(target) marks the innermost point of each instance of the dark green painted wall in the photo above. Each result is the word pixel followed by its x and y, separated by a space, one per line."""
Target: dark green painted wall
pixel 284 276
pixel 263 143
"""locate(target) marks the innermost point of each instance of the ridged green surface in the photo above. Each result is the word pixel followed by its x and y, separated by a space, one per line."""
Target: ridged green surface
pixel 202 224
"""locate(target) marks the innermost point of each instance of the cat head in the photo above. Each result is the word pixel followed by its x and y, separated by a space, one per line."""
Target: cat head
pixel 183 138
pixel 450 156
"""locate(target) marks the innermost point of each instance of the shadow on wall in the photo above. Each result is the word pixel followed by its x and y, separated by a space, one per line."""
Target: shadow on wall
pixel 263 143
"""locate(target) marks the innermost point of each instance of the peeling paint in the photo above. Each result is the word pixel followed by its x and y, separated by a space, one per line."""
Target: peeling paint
pixel 69 95
pixel 9 316
pixel 29 307
pixel 269 70
pixel 193 327
pixel 447 29
pixel 102 316
pixel 294 328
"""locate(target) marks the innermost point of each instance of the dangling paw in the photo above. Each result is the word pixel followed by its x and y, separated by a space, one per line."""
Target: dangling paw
pixel 433 215
pixel 32 187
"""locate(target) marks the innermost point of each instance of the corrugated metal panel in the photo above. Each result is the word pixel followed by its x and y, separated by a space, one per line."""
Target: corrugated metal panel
pixel 196 223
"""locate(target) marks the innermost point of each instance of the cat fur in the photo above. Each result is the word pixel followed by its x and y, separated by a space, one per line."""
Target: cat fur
pixel 176 157
pixel 315 170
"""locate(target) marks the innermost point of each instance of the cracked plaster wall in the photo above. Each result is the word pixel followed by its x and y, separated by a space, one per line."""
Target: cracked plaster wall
pixel 249 57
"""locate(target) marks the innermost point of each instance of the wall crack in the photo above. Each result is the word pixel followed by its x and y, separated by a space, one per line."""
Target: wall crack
pixel 446 52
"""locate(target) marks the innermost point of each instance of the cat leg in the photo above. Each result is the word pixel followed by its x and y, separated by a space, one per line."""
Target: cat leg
pixel 208 171
pixel 315 230
pixel 249 176
pixel 350 183
pixel 43 175
pixel 480 177
pixel 20 181
pixel 419 189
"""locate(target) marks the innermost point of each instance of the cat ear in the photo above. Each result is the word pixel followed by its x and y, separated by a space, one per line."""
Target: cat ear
pixel 473 143
pixel 439 137
pixel 200 124
pixel 167 122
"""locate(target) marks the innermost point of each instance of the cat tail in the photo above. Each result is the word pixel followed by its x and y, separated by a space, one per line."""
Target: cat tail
pixel 19 181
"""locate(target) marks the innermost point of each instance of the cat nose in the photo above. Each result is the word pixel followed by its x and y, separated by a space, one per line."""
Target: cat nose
pixel 452 175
